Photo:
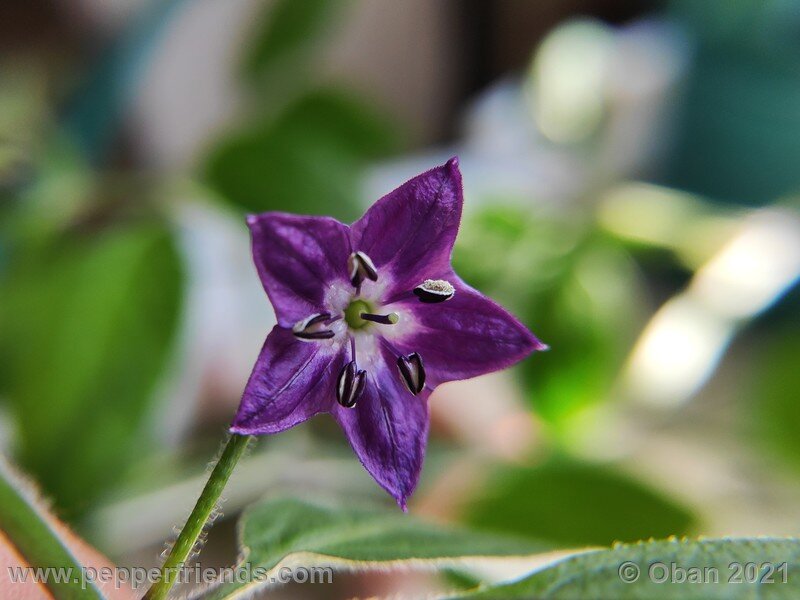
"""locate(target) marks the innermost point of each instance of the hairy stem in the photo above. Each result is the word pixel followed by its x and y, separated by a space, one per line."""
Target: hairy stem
pixel 197 520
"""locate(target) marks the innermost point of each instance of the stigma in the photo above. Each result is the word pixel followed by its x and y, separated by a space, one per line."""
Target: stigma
pixel 390 319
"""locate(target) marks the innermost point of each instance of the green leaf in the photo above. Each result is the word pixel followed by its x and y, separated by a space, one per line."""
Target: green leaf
pixel 308 160
pixel 571 503
pixel 775 417
pixel 276 531
pixel 287 32
pixel 576 289
pixel 88 327
pixel 600 574
pixel 23 523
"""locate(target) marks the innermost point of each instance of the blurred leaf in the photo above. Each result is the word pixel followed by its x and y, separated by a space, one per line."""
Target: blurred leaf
pixel 23 118
pixel 573 503
pixel 288 30
pixel 276 531
pixel 599 574
pixel 308 160
pixel 61 191
pixel 575 288
pixel 23 523
pixel 775 413
pixel 87 328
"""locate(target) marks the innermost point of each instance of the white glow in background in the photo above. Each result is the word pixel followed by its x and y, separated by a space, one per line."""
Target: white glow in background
pixel 682 344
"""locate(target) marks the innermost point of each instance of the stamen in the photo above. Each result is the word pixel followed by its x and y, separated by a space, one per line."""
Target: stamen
pixel 350 384
pixel 360 267
pixel 389 319
pixel 412 372
pixel 310 321
pixel 310 328
pixel 325 334
pixel 432 291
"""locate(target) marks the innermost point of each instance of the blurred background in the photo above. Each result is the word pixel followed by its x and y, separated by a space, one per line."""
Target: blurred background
pixel 631 179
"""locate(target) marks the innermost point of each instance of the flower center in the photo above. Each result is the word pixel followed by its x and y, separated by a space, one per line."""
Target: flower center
pixel 359 314
pixel 352 314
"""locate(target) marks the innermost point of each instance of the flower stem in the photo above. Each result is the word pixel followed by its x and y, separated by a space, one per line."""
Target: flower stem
pixel 197 520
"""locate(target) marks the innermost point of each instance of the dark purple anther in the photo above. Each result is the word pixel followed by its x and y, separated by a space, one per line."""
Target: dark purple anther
pixel 350 385
pixel 412 372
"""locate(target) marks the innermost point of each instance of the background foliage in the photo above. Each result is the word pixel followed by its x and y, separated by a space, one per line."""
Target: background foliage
pixel 609 177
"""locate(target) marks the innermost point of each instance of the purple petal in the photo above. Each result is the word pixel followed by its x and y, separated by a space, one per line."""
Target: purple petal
pixel 388 430
pixel 409 233
pixel 291 382
pixel 297 259
pixel 466 336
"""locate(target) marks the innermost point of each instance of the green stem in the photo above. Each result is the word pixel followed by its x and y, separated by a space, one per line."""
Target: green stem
pixel 200 514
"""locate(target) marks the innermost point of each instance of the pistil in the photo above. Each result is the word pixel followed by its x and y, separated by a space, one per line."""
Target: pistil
pixel 389 319
pixel 352 314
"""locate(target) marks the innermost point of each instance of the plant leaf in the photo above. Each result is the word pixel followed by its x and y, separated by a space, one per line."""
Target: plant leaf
pixel 307 160
pixel 22 522
pixel 88 324
pixel 282 531
pixel 775 378
pixel 599 573
pixel 575 289
pixel 584 504
pixel 289 28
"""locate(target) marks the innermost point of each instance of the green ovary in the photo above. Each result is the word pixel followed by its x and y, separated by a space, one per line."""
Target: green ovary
pixel 352 314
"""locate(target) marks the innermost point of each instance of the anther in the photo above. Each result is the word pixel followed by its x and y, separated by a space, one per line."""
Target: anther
pixel 311 328
pixel 434 290
pixel 412 372
pixel 325 334
pixel 350 384
pixel 389 319
pixel 361 267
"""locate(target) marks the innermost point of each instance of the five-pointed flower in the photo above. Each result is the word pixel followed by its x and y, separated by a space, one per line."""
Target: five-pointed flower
pixel 371 318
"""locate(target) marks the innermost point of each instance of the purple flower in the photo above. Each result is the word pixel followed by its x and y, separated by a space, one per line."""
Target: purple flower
pixel 371 318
